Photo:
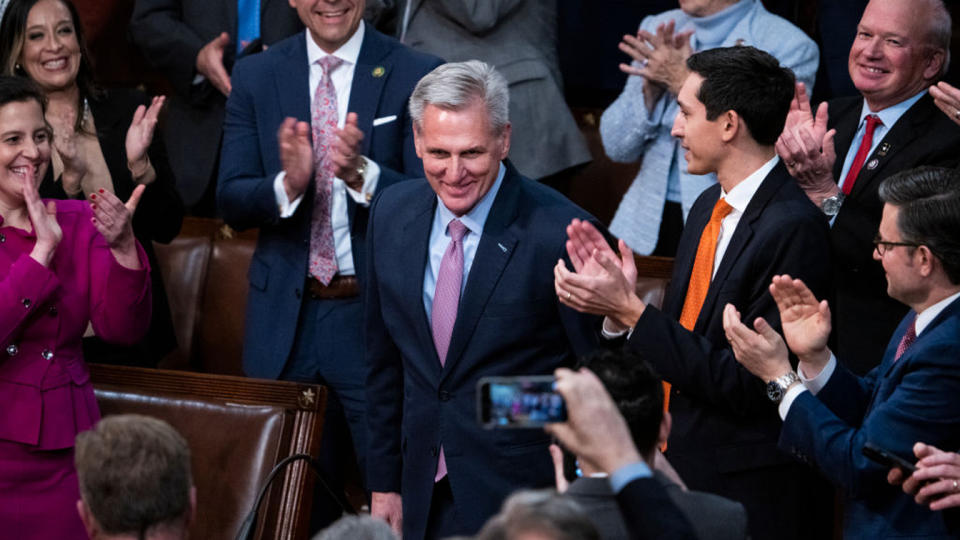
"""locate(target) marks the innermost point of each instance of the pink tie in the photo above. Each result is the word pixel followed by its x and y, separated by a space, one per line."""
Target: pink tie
pixel 446 298
pixel 323 256
pixel 907 340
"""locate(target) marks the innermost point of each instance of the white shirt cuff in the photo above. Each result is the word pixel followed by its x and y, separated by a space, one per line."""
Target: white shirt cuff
pixel 609 332
pixel 817 383
pixel 371 177
pixel 286 206
pixel 628 473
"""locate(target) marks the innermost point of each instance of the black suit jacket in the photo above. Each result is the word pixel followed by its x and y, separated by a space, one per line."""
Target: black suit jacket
pixel 710 517
pixel 170 33
pixel 509 323
pixel 864 315
pixel 724 437
pixel 157 219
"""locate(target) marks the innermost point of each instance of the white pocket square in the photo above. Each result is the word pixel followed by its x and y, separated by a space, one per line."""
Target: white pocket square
pixel 384 120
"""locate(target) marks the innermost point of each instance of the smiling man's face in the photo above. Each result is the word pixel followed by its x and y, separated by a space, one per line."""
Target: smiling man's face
pixel 331 22
pixel 891 58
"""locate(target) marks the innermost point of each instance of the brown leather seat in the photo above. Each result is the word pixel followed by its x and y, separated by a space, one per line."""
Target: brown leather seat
pixel 238 429
pixel 205 272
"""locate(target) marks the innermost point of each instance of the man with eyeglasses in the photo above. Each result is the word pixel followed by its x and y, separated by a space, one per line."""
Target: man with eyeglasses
pixel 829 413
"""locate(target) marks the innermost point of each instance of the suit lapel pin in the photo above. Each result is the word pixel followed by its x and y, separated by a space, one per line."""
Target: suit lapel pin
pixel 872 164
pixel 502 247
pixel 884 148
pixel 378 71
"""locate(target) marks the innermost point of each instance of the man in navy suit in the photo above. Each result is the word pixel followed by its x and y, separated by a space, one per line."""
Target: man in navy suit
pixel 913 395
pixel 732 107
pixel 310 200
pixel 455 291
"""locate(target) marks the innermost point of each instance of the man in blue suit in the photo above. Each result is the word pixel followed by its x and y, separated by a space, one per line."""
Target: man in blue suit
pixel 913 395
pixel 457 289
pixel 346 85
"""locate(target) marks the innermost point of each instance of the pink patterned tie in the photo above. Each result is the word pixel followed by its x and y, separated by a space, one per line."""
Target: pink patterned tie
pixel 323 256
pixel 907 340
pixel 446 298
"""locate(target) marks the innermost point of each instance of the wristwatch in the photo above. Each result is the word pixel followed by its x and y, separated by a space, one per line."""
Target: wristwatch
pixel 778 387
pixel 831 205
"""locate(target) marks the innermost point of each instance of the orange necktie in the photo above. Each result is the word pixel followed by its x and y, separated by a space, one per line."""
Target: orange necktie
pixel 700 277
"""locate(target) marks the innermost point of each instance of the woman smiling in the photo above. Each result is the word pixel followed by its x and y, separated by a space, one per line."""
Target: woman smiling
pixel 103 140
pixel 63 265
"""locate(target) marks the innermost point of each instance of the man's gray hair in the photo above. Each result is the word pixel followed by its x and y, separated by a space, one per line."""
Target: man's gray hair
pixel 539 511
pixel 939 28
pixel 457 85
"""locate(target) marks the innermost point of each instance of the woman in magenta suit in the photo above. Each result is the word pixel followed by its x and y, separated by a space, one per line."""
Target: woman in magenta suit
pixel 63 264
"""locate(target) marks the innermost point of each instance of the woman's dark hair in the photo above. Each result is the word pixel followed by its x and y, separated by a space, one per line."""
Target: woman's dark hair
pixel 19 90
pixel 13 33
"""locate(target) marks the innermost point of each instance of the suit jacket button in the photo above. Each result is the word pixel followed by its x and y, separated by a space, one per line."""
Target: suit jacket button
pixel 444 395
pixel 433 451
pixel 53 310
pixel 26 303
pixel 298 293
pixel 47 354
pixel 12 349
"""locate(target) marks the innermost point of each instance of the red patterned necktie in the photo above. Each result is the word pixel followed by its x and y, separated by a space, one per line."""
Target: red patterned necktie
pixel 907 340
pixel 323 256
pixel 446 299
pixel 865 144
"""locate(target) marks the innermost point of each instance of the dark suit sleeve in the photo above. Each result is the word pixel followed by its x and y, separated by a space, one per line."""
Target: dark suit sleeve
pixel 167 42
pixel 245 194
pixel 649 512
pixel 704 365
pixel 924 405
pixel 384 384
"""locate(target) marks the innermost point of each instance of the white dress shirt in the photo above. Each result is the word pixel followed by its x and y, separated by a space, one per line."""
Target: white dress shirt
pixel 342 78
pixel 815 384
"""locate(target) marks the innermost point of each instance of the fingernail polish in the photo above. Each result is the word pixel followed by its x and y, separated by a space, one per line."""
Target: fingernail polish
pixel 93 195
pixel 101 190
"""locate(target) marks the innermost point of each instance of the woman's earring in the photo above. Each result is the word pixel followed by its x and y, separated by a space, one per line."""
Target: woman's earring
pixel 17 67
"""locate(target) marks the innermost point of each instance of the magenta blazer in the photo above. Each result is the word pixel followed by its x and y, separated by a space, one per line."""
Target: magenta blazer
pixel 45 393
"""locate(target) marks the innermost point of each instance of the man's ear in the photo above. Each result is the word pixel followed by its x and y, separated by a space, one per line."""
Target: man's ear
pixel 505 138
pixel 417 142
pixel 89 522
pixel 934 63
pixel 731 124
pixel 666 423
pixel 925 260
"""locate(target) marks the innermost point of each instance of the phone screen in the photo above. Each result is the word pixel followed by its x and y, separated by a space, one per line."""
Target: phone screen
pixel 521 401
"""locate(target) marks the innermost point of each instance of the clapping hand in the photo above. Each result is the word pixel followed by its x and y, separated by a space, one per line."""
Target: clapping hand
pixel 114 219
pixel 296 156
pixel 43 218
pixel 140 135
pixel 806 147
pixel 661 57
pixel 65 141
pixel 762 351
pixel 947 98
pixel 345 152
pixel 806 322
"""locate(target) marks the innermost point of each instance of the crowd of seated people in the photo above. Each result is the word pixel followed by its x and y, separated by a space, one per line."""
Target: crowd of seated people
pixel 395 158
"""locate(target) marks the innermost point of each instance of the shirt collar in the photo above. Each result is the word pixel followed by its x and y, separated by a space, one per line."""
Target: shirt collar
pixel 925 317
pixel 739 197
pixel 890 115
pixel 476 218
pixel 349 52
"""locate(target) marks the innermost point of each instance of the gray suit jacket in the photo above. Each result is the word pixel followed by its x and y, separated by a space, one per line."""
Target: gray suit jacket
pixel 518 37
pixel 712 517
pixel 170 33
